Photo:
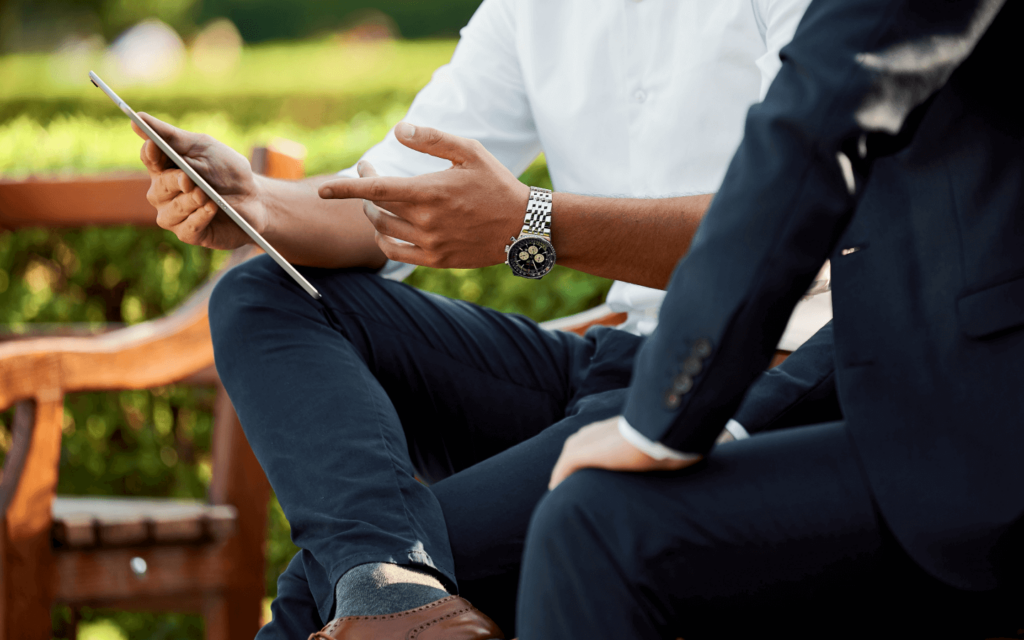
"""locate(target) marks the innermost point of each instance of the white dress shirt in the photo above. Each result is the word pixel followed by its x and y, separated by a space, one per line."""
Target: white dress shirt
pixel 633 98
pixel 627 98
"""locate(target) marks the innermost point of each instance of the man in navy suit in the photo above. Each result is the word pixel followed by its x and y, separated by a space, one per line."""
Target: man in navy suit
pixel 892 142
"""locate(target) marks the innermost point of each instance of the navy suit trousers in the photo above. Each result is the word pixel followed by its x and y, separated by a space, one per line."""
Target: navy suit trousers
pixel 777 535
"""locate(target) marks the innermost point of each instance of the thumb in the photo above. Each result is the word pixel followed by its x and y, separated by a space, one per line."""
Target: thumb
pixel 179 139
pixel 366 169
pixel 438 143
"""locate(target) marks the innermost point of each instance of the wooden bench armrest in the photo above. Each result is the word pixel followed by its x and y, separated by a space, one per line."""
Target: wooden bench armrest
pixel 579 323
pixel 150 354
pixel 76 202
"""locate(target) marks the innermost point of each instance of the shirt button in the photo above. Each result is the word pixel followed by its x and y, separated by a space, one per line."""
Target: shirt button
pixel 640 96
pixel 672 400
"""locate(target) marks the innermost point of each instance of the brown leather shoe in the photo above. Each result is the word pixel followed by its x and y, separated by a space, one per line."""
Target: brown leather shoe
pixel 451 618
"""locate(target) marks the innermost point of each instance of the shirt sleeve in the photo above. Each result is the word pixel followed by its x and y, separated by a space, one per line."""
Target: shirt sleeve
pixel 777 21
pixel 654 449
pixel 480 94
pixel 659 451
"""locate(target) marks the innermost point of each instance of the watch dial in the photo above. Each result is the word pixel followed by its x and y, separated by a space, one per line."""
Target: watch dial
pixel 531 257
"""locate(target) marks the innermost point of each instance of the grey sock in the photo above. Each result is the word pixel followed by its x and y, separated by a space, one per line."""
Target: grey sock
pixel 379 588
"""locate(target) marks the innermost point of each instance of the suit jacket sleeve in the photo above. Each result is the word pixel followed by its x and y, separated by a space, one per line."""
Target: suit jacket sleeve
pixel 851 79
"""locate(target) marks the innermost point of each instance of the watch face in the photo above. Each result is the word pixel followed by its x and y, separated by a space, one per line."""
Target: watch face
pixel 531 257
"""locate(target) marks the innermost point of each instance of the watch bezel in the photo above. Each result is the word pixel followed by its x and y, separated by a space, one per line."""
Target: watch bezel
pixel 524 238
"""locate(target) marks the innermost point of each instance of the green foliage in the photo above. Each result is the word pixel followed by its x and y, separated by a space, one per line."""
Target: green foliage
pixel 157 442
pixel 270 19
pixel 80 144
pixel 257 20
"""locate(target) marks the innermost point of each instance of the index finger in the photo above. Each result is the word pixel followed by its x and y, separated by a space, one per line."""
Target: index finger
pixel 375 189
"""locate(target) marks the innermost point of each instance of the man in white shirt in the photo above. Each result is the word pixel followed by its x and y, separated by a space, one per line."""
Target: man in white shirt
pixel 344 399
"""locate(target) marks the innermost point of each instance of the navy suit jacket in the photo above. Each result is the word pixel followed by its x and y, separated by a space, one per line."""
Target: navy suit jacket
pixel 890 142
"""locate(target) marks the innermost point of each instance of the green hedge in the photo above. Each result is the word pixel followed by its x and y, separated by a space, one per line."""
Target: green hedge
pixel 313 83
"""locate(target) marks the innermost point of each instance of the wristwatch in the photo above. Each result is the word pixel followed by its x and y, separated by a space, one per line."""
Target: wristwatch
pixel 532 255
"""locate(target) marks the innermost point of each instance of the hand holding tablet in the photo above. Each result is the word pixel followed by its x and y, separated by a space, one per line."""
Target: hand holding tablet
pixel 192 222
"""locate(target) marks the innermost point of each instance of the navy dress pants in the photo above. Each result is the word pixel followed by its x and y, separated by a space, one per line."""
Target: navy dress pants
pixel 776 535
pixel 345 400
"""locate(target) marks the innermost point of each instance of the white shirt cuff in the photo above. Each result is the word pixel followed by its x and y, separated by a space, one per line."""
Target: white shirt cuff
pixel 656 450
pixel 736 430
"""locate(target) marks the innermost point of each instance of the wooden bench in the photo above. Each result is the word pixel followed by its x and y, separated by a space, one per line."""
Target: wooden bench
pixel 159 555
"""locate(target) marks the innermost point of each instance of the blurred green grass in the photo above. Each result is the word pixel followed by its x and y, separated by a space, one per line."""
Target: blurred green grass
pixel 312 82
pixel 157 442
pixel 329 66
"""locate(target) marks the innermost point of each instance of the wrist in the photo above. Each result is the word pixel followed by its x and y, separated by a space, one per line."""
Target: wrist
pixel 514 219
pixel 531 254
pixel 259 206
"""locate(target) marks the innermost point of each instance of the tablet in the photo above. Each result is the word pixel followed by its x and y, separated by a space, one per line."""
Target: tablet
pixel 205 186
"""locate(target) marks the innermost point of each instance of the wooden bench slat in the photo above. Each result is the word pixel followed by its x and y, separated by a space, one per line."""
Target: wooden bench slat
pixel 116 522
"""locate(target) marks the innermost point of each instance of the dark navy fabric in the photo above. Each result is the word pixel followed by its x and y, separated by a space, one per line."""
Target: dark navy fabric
pixel 773 536
pixel 345 400
pixel 800 391
pixel 927 252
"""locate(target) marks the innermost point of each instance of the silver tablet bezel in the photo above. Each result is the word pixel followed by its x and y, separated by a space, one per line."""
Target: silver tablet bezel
pixel 207 189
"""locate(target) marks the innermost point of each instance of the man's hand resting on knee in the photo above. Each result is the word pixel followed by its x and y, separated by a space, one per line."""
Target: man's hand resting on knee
pixel 601 446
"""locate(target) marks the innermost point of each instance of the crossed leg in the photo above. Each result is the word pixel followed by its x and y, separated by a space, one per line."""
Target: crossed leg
pixel 344 400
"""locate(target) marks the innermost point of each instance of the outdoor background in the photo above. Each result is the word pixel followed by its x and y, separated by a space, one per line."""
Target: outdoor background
pixel 333 76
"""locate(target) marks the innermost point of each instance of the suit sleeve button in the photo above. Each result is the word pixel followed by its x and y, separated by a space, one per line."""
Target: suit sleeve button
pixel 702 348
pixel 692 366
pixel 672 400
pixel 682 384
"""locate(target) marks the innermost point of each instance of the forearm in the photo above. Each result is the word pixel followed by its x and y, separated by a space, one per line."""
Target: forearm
pixel 314 232
pixel 637 241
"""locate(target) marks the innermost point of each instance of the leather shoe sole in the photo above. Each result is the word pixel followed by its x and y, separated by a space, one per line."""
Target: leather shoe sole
pixel 451 618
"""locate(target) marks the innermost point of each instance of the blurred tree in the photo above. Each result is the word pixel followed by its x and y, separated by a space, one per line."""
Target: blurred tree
pixel 271 19
pixel 117 15
pixel 42 24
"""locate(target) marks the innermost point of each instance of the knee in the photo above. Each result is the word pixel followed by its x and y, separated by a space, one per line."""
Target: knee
pixel 240 291
pixel 569 520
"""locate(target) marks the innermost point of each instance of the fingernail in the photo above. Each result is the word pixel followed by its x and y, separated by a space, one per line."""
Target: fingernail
pixel 326 192
pixel 406 130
